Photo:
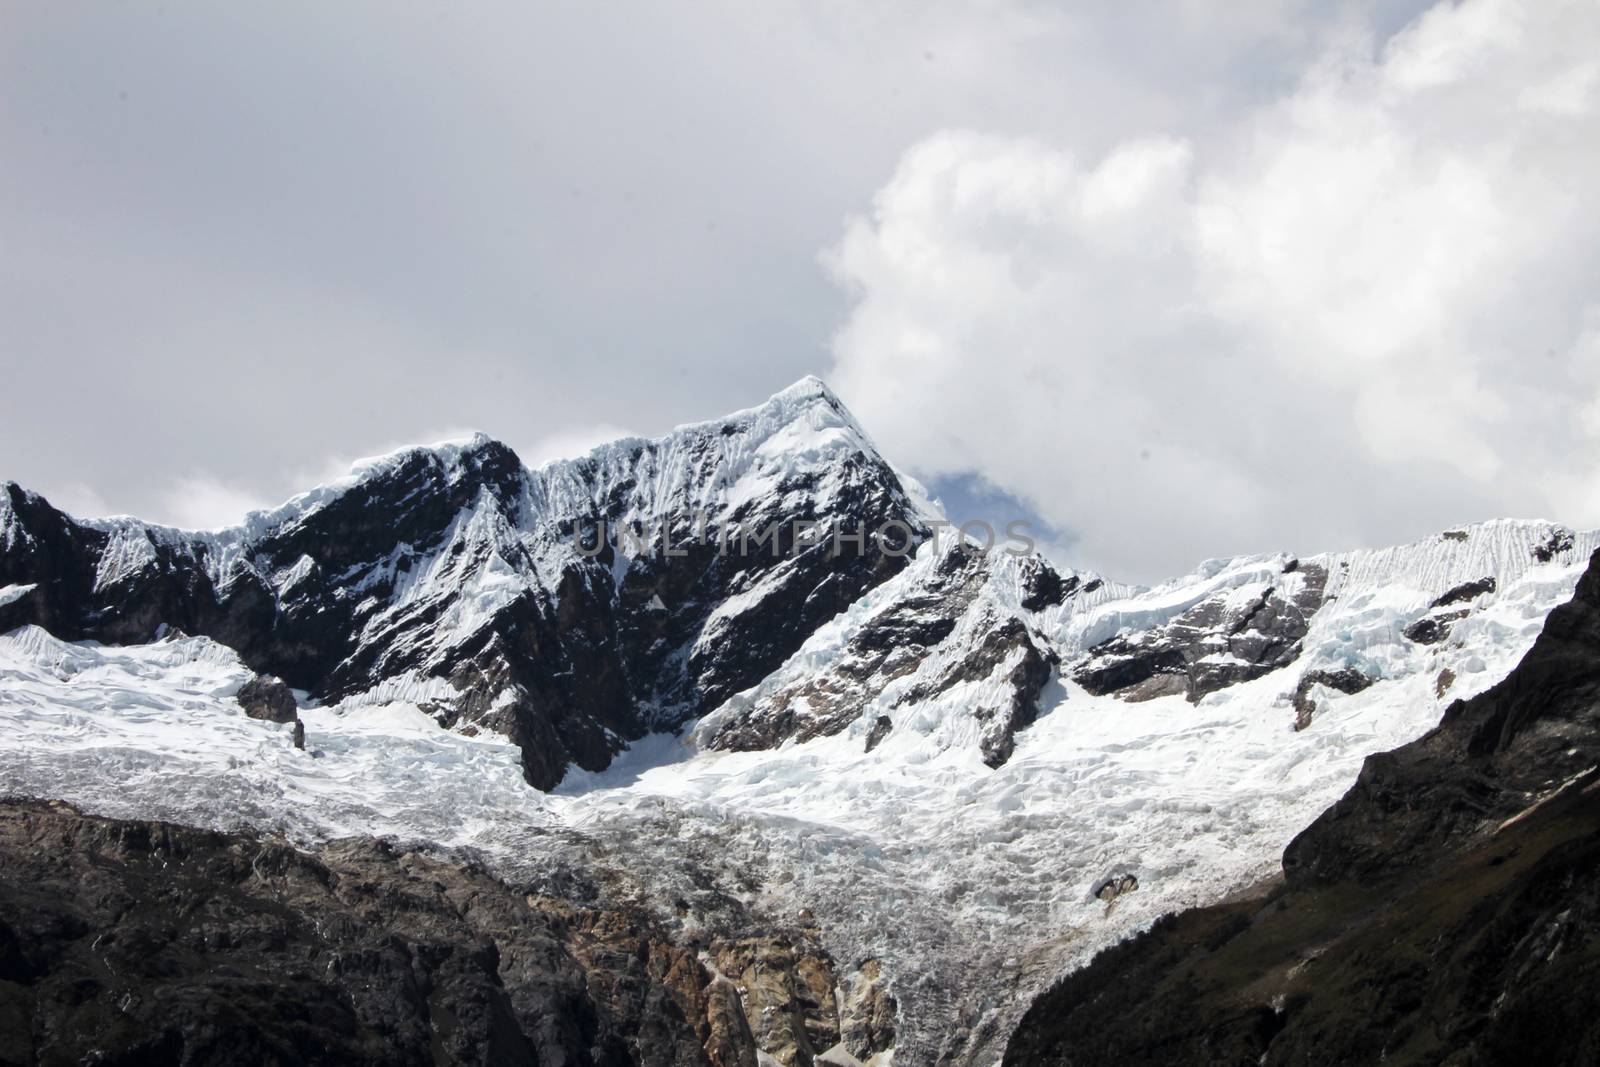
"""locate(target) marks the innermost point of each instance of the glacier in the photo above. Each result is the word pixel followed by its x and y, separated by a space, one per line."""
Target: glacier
pixel 973 885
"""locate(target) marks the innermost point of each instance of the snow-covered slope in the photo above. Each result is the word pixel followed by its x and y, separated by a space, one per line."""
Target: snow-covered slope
pixel 1004 824
pixel 954 865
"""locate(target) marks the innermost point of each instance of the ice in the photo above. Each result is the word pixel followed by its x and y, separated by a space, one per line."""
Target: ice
pixel 153 731
pixel 974 886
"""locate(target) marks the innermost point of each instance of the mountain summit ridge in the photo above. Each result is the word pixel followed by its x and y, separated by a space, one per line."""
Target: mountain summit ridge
pixel 459 567
pixel 482 587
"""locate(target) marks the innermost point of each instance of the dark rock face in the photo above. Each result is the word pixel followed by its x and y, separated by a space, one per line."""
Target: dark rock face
pixel 1446 910
pixel 1560 541
pixel 140 942
pixel 892 644
pixel 1442 614
pixel 1466 591
pixel 880 729
pixel 1215 644
pixel 60 558
pixel 1043 586
pixel 404 575
pixel 1433 628
pixel 1116 886
pixel 1490 959
pixel 266 697
pixel 1024 681
pixel 1345 680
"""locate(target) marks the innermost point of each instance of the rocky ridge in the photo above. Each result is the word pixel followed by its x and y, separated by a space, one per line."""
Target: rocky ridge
pixel 455 577
pixel 131 941
pixel 946 630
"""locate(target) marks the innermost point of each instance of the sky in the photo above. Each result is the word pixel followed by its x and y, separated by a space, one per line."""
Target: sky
pixel 1175 281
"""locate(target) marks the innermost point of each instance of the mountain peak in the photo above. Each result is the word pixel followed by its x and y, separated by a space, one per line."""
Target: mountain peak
pixel 449 452
pixel 807 388
pixel 807 395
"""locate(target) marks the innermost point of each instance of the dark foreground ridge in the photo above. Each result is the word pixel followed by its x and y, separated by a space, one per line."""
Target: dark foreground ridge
pixel 1446 910
pixel 130 942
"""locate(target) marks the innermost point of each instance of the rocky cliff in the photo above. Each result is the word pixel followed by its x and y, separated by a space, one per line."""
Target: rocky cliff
pixel 125 942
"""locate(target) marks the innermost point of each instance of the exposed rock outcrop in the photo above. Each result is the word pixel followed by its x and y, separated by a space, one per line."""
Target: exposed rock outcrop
pixel 1010 653
pixel 1465 591
pixel 1115 886
pixel 1559 541
pixel 868 1013
pixel 786 989
pixel 1232 636
pixel 268 698
pixel 1443 613
pixel 1433 627
pixel 880 729
pixel 1045 587
pixel 892 644
pixel 1345 680
pixel 133 942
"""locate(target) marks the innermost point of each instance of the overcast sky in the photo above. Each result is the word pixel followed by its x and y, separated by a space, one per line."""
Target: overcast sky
pixel 1185 280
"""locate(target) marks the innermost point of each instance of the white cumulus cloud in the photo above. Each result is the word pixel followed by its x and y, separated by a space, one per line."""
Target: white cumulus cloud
pixel 1352 315
pixel 203 502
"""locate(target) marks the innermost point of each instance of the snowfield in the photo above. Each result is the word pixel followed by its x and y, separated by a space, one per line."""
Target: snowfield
pixel 974 886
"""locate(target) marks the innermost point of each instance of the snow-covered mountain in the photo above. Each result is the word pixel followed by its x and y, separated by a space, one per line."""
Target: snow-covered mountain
pixel 969 770
pixel 1444 910
pixel 455 578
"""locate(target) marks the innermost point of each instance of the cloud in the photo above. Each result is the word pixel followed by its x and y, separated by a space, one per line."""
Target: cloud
pixel 201 502
pixel 79 500
pixel 307 227
pixel 1354 314
pixel 569 443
